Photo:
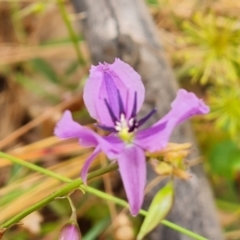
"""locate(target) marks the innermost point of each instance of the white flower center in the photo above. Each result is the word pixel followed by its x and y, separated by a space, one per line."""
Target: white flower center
pixel 123 127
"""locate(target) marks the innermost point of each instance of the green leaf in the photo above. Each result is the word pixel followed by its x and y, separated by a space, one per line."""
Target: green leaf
pixel 158 210
pixel 152 2
pixel 34 87
pixel 45 69
pixel 224 159
pixel 97 229
pixel 72 68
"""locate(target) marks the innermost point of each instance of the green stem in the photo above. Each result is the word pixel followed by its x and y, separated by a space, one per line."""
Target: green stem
pixel 123 203
pixel 59 193
pixel 72 185
pixel 34 167
pixel 71 32
pixel 49 173
pixel 74 211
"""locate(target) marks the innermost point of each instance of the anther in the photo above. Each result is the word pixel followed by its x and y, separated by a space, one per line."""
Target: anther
pixel 131 121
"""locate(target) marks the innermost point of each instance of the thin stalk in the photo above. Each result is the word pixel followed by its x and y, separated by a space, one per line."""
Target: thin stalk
pixel 17 22
pixel 74 211
pixel 74 184
pixel 123 203
pixel 34 167
pixel 59 193
pixel 71 32
pixel 49 173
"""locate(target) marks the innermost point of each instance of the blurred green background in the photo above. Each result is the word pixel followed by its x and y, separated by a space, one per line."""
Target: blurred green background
pixel 42 74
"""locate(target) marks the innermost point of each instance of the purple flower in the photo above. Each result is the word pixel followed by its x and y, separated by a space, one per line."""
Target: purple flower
pixel 70 232
pixel 113 95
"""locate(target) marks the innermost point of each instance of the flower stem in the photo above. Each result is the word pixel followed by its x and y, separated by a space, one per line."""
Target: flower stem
pixel 74 212
pixel 34 167
pixel 49 173
pixel 71 32
pixel 123 203
pixel 59 193
pixel 74 184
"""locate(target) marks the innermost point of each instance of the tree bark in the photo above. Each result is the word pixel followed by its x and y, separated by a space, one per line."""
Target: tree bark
pixel 124 29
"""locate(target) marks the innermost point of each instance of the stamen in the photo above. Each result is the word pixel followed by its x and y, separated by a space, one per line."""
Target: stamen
pixel 118 124
pixel 114 119
pixel 120 102
pixel 134 110
pixel 144 119
pixel 131 122
pixel 133 125
pixel 106 128
pixel 118 128
pixel 122 118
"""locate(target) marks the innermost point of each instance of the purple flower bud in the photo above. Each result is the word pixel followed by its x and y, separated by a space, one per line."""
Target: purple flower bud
pixel 70 231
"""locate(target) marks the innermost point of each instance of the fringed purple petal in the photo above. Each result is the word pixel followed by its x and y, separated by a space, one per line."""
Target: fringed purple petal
pixel 116 144
pixel 104 82
pixel 111 111
pixel 111 92
pixel 67 128
pixel 112 152
pixel 132 167
pixel 87 164
pixel 111 145
pixel 156 137
pixel 184 106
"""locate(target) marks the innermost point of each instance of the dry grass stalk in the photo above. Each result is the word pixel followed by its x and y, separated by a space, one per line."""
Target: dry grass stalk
pixel 14 53
pixel 38 120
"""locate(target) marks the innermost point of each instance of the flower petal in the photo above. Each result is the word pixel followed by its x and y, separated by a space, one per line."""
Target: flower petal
pixel 112 152
pixel 132 167
pixel 185 105
pixel 104 83
pixel 67 128
pixel 87 164
pixel 111 145
pixel 117 146
pixel 70 231
pixel 154 138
